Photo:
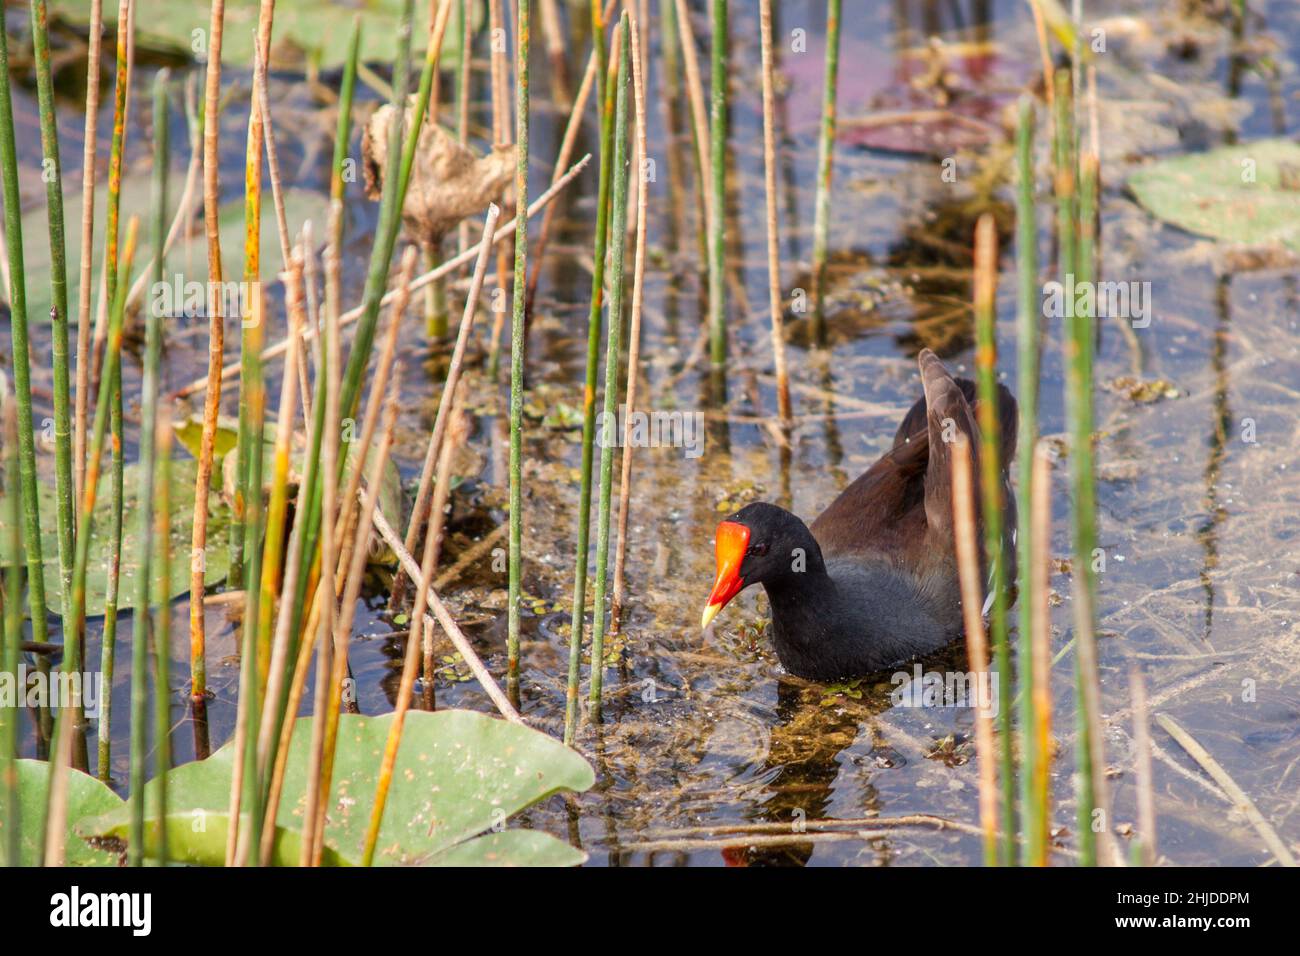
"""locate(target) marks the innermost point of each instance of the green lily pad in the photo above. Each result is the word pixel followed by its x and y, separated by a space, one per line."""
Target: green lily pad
pixel 321 30
pixel 87 797
pixel 200 839
pixel 1242 194
pixel 299 206
pixel 458 774
pixel 391 496
pixel 183 473
pixel 511 848
pixel 189 435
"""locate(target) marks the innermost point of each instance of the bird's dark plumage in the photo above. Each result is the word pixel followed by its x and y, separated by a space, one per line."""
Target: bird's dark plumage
pixel 873 581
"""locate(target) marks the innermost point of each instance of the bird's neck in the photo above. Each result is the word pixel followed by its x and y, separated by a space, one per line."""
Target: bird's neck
pixel 805 591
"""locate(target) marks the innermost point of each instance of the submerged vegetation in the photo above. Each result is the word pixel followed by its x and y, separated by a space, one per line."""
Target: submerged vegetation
pixel 373 517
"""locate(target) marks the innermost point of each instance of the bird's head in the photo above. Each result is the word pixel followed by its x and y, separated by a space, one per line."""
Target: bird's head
pixel 759 544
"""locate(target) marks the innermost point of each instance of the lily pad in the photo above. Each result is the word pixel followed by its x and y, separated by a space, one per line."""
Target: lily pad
pixel 320 30
pixel 458 774
pixel 224 479
pixel 87 797
pixel 511 848
pixel 1242 194
pixel 183 473
pixel 200 839
pixel 299 206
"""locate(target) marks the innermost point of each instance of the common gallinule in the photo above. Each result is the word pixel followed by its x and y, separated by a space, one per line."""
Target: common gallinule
pixel 873 582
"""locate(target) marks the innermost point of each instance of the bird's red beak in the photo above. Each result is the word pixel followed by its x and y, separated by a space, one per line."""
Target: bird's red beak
pixel 730 544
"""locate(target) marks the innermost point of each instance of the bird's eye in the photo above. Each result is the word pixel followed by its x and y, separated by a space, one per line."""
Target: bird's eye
pixel 758 550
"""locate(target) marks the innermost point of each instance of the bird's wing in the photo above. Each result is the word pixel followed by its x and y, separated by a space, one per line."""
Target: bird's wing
pixel 948 414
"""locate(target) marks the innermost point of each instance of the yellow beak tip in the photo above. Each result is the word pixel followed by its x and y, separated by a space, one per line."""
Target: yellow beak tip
pixel 710 613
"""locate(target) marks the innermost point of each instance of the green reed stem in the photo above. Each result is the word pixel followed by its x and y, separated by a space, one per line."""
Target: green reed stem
pixel 63 491
pixel 245 545
pixel 522 32
pixel 606 106
pixel 297 590
pixel 996 551
pixel 1078 384
pixel 116 494
pixel 718 191
pixel 397 171
pixel 145 500
pixel 436 299
pixel 254 642
pixel 1027 361
pixel 1066 173
pixel 825 162
pixel 609 415
pixel 162 628
pixel 20 348
pixel 110 383
pixel 1086 255
pixel 343 131
pixel 11 631
pixel 210 121
pixel 1079 410
pixel 89 492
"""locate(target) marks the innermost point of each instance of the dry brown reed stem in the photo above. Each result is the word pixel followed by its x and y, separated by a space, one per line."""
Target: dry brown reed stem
pixel 440 12
pixel 456 431
pixel 816 826
pixel 125 8
pixel 216 346
pixel 553 35
pixel 1094 123
pixel 374 403
pixel 1146 800
pixel 410 664
pixel 634 330
pixel 695 95
pixel 462 97
pixel 296 686
pixel 1040 513
pixel 283 443
pixel 471 555
pixel 95 44
pixel 351 591
pixel 977 651
pixel 281 222
pixel 272 158
pixel 773 236
pixel 419 282
pixel 1240 799
pixel 501 126
pixel 1045 53
pixel 237 837
pixel 448 624
pixel 419 512
pixel 307 249
pixel 570 137
pixel 326 604
pixel 56 806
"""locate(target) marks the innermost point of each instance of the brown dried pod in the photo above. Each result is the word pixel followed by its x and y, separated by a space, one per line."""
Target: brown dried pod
pixel 449 181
